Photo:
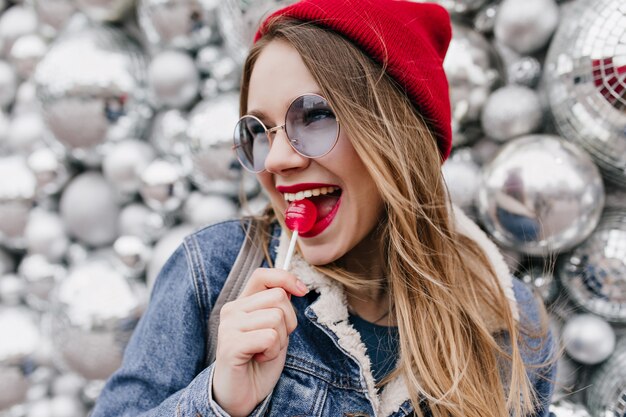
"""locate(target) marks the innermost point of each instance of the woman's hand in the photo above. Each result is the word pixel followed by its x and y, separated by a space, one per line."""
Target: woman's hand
pixel 252 340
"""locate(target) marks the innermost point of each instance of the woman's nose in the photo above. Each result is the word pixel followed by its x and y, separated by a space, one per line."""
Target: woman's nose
pixel 282 157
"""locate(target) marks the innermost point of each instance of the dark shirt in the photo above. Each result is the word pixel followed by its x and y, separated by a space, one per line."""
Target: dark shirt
pixel 381 343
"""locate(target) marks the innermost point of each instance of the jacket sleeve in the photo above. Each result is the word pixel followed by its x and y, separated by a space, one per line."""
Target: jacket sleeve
pixel 162 371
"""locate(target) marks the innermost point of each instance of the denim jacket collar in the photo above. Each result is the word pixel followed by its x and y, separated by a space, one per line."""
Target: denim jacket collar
pixel 329 311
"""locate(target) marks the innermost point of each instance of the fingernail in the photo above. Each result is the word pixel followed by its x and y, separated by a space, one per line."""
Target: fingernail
pixel 301 286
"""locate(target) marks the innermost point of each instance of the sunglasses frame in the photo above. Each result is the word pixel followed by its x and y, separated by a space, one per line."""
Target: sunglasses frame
pixel 283 127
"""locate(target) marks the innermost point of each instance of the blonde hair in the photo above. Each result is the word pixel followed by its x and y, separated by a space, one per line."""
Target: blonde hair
pixel 438 280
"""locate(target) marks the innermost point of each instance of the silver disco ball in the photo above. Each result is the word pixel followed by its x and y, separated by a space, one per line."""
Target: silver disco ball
pixel 588 339
pixel 215 168
pixel 461 7
pixel 179 24
pixel 239 21
pixel 586 82
pixel 95 310
pixel 92 86
pixel 606 397
pixel 53 15
pixel 565 408
pixel 472 68
pixel 17 193
pixel 594 274
pixel 18 345
pixel 540 195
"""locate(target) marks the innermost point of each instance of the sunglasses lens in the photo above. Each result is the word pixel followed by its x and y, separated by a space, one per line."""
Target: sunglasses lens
pixel 311 126
pixel 251 144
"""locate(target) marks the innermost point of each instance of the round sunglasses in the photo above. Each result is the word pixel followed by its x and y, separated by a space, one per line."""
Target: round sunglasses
pixel 311 127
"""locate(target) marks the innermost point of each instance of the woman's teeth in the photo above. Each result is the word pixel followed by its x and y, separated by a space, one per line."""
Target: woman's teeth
pixel 309 193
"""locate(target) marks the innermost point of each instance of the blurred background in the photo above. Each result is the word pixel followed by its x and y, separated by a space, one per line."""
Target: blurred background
pixel 116 119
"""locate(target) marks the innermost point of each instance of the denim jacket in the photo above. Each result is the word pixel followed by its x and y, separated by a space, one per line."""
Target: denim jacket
pixel 327 371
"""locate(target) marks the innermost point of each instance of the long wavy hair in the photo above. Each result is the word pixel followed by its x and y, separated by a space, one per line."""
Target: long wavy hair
pixel 438 281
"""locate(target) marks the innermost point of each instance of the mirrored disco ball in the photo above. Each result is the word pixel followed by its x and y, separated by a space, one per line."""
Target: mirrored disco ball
pixel 586 82
pixel 588 339
pixel 594 274
pixel 606 396
pixel 472 68
pixel 179 24
pixel 92 86
pixel 94 313
pixel 211 126
pixel 239 20
pixel 540 195
pixel 19 339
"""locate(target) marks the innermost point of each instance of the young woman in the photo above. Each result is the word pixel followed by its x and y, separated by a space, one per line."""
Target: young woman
pixel 396 303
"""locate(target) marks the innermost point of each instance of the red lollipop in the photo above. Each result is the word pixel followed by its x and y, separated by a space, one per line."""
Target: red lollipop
pixel 301 215
pixel 300 218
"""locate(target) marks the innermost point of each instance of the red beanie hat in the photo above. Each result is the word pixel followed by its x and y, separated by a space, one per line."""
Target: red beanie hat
pixel 411 38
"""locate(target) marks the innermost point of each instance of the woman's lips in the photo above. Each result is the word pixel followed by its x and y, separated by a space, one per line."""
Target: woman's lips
pixel 323 223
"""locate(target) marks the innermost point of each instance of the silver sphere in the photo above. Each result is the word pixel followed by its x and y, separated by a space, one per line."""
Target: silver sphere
pixel 607 390
pixel 164 248
pixel 511 111
pixel 206 58
pixel 164 186
pixel 526 26
pixel 565 408
pixel 132 254
pixel 179 24
pixel 585 80
pixel 92 89
pixel 50 170
pixel 45 235
pixel 169 133
pixel 12 290
pixel 124 163
pixel 26 53
pixel 215 169
pixel 173 79
pixel 96 310
pixel 15 22
pixel 17 192
pixel 138 220
pixel 53 15
pixel 26 133
pixel 226 73
pixel 588 339
pixel 26 99
pixel 40 276
pixel 472 68
pixel 105 11
pixel 485 19
pixel 540 195
pixel 17 347
pixel 594 274
pixel 239 20
pixel 89 210
pixel 8 84
pixel 524 71
pixel 462 176
pixel 201 210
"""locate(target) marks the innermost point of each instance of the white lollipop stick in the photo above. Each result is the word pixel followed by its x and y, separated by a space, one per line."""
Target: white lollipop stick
pixel 292 246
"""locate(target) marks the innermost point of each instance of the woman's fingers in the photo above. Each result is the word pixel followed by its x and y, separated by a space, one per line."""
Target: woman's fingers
pixel 269 318
pixel 266 278
pixel 272 298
